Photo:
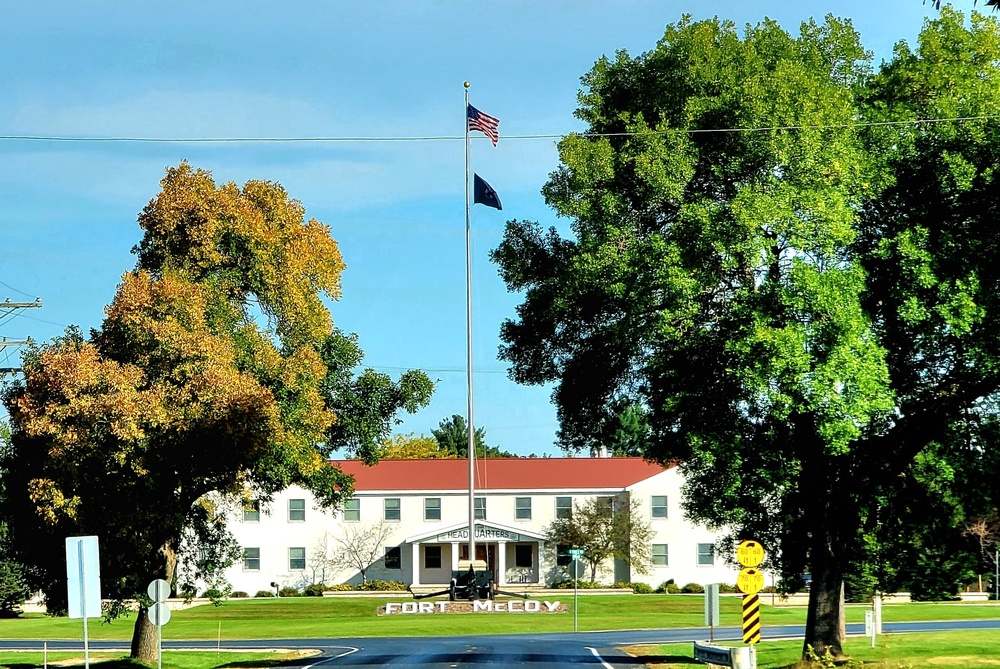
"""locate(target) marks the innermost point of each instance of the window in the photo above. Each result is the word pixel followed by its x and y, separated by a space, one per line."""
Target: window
pixel 391 508
pixel 352 510
pixel 251 512
pixel 251 559
pixel 480 508
pixel 659 509
pixel 606 503
pixel 523 555
pixel 706 555
pixel 296 559
pixel 563 558
pixel 522 508
pixel 564 507
pixel 393 558
pixel 432 508
pixel 661 556
pixel 432 557
pixel 296 510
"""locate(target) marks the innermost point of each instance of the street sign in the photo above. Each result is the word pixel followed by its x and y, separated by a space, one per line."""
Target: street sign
pixel 158 590
pixel 750 581
pixel 83 577
pixel 751 619
pixel 712 608
pixel 575 553
pixel 750 553
pixel 159 614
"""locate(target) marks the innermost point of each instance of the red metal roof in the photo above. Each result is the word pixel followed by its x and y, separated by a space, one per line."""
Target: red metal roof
pixel 500 473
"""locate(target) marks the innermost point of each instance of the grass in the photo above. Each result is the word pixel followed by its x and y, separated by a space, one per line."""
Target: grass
pixel 308 617
pixel 966 649
pixel 171 660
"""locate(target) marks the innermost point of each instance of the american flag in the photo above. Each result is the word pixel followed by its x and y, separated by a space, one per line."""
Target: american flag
pixel 484 123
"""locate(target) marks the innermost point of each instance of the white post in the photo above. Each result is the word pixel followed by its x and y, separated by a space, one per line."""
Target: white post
pixel 877 609
pixel 415 563
pixel 501 563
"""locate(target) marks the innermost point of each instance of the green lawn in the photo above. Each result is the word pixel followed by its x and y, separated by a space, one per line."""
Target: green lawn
pixel 171 660
pixel 355 617
pixel 967 649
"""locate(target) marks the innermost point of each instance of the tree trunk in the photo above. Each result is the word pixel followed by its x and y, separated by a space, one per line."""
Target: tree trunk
pixel 144 638
pixel 825 620
pixel 144 646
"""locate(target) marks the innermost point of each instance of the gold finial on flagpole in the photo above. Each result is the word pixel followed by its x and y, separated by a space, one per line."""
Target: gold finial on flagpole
pixel 466 84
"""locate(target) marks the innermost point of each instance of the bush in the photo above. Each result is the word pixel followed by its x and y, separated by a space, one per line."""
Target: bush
pixel 726 589
pixel 339 587
pixel 213 593
pixel 693 588
pixel 642 588
pixel 264 593
pixel 314 590
pixel 289 592
pixel 379 584
pixel 668 587
pixel 239 594
pixel 581 585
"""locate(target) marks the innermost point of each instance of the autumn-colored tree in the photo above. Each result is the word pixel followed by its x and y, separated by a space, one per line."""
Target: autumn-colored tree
pixel 216 368
pixel 412 447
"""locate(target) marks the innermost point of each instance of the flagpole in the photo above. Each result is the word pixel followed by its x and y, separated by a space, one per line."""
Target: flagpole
pixel 468 342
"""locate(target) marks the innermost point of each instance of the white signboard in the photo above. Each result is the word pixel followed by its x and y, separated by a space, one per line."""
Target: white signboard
pixel 83 577
pixel 482 532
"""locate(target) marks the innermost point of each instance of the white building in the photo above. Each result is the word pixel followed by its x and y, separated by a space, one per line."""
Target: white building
pixel 426 505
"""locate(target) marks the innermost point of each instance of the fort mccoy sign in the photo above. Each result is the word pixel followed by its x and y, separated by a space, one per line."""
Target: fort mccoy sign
pixel 477 606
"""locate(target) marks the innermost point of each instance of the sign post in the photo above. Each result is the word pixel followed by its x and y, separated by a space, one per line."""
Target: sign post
pixel 159 614
pixel 711 609
pixel 750 581
pixel 576 553
pixel 83 582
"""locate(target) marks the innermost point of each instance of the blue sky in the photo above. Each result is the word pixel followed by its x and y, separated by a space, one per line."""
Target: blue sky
pixel 216 69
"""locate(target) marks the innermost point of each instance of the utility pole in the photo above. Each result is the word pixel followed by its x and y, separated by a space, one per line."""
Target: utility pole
pixel 7 305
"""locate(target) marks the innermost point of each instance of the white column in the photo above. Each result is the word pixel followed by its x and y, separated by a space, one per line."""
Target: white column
pixel 501 563
pixel 415 563
pixel 454 556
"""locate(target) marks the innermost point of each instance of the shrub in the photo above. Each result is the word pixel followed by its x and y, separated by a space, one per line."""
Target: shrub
pixel 264 593
pixel 668 587
pixel 642 588
pixel 213 593
pixel 239 594
pixel 339 587
pixel 726 589
pixel 314 590
pixel 288 592
pixel 581 585
pixel 379 584
pixel 693 588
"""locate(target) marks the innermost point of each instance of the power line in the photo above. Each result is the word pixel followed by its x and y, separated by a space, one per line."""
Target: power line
pixel 452 138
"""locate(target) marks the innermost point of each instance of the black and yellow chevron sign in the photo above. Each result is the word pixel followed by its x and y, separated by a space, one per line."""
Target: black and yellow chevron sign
pixel 751 619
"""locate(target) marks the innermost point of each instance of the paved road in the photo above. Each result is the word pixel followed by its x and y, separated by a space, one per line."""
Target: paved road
pixel 538 651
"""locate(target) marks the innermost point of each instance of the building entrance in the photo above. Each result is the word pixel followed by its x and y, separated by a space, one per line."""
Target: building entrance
pixel 486 552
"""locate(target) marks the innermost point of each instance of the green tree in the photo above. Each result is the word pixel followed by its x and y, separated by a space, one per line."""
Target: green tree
pixel 216 369
pixel 452 435
pixel 801 304
pixel 13 583
pixel 605 528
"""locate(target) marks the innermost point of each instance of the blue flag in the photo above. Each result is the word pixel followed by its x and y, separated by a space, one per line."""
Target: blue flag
pixel 483 193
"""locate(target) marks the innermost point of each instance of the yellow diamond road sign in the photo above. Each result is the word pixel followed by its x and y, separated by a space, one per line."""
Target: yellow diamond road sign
pixel 750 581
pixel 750 553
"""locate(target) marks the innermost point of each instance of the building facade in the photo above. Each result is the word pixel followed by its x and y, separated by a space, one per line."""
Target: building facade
pixel 421 509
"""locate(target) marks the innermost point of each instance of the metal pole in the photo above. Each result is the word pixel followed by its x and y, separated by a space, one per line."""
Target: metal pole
pixel 576 576
pixel 996 578
pixel 83 604
pixel 468 342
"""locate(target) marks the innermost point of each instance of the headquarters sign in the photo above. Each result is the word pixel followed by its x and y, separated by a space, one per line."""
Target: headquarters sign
pixel 483 606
